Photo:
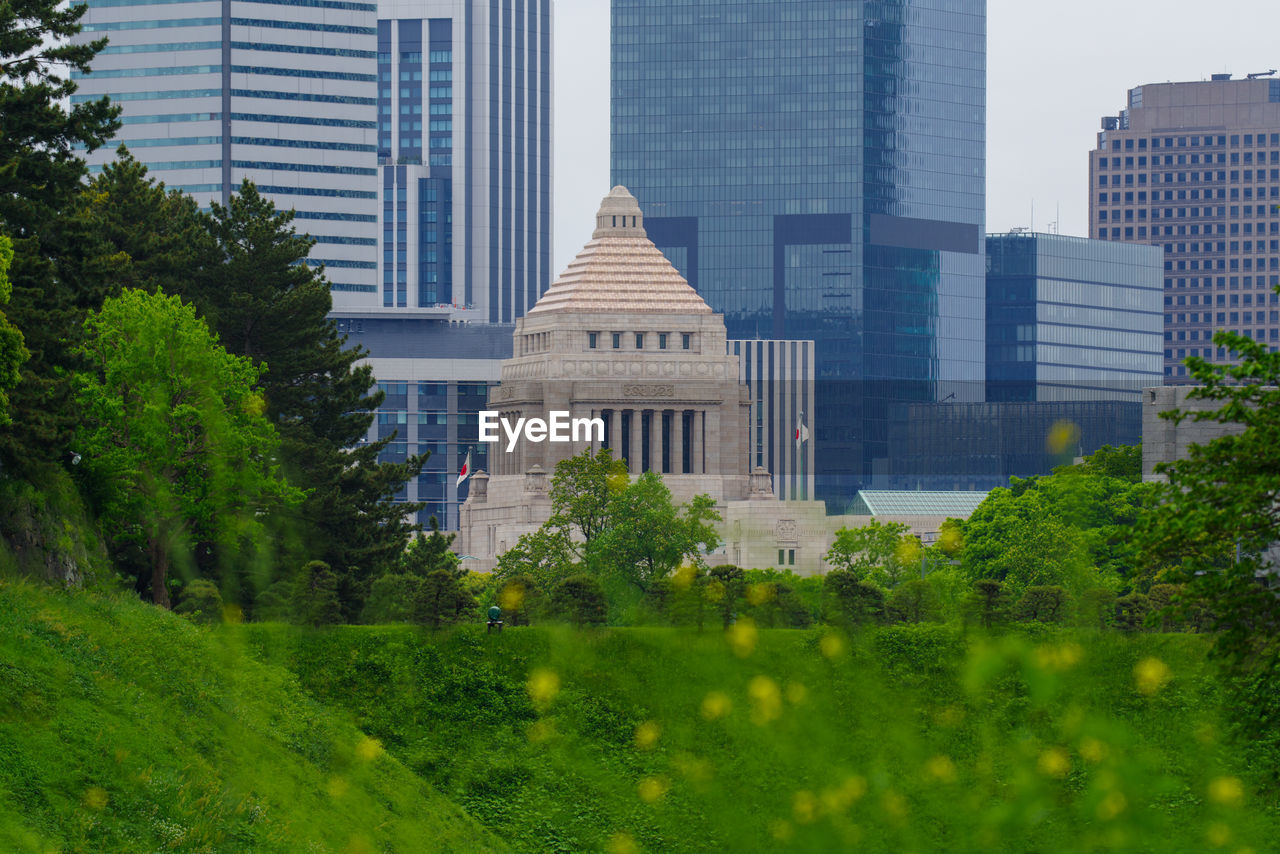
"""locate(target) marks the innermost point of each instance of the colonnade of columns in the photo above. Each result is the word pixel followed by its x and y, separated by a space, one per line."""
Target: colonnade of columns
pixel 668 441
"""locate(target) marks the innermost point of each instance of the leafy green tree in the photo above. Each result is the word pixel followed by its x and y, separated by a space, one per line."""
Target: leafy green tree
pixel 391 598
pixel 428 552
pixel 12 351
pixel 1120 463
pixel 544 556
pixel 315 595
pixel 1216 522
pixel 40 179
pixel 914 601
pixel 519 599
pixel 580 600
pixel 1045 604
pixel 269 305
pixel 1022 540
pixel 989 602
pixel 727 585
pixel 582 488
pixel 649 536
pixel 878 552
pixel 441 599
pixel 853 601
pixel 173 432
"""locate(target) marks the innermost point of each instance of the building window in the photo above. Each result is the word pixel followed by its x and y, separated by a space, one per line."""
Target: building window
pixel 662 340
pixel 592 339
pixel 782 554
pixel 791 557
pixel 639 340
pixel 617 340
pixel 686 340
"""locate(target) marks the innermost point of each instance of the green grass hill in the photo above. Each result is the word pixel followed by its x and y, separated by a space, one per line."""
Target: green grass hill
pixel 914 738
pixel 125 728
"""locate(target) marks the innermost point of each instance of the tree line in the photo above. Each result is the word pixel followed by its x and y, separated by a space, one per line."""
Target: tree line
pixel 179 362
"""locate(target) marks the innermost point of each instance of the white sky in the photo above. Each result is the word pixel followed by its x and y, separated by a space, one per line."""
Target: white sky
pixel 1054 69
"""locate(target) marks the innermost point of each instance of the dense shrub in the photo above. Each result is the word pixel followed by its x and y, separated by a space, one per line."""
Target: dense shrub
pixel 914 601
pixel 518 597
pixel 1131 612
pixel 580 600
pixel 315 595
pixel 852 602
pixel 391 598
pixel 729 582
pixel 1096 608
pixel 1045 604
pixel 200 601
pixel 989 602
pixel 441 600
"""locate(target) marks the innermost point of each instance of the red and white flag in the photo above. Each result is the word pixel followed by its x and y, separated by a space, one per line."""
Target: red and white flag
pixel 802 431
pixel 465 471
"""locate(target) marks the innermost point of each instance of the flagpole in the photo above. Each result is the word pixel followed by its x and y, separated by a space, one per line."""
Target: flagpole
pixel 800 450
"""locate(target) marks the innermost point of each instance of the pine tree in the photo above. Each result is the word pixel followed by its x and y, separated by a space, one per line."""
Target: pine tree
pixel 268 305
pixel 40 174
pixel 137 234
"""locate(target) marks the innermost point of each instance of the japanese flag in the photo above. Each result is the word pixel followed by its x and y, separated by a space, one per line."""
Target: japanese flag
pixel 802 431
pixel 465 471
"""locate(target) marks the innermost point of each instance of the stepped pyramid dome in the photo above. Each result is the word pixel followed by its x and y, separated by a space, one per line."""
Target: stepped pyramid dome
pixel 620 271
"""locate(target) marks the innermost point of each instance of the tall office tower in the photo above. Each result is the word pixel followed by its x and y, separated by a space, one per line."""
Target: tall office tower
pixel 815 170
pixel 1069 318
pixel 464 143
pixel 280 91
pixel 1195 168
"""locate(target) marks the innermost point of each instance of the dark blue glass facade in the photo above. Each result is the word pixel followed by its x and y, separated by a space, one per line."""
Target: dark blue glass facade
pixel 816 170
pixel 435 241
pixel 1070 318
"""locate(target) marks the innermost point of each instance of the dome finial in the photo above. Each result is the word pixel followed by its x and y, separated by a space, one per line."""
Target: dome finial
pixel 619 215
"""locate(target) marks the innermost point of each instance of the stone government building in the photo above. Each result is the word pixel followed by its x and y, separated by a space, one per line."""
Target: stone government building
pixel 621 336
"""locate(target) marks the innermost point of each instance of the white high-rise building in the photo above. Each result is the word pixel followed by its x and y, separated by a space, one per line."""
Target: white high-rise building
pixel 283 92
pixel 464 139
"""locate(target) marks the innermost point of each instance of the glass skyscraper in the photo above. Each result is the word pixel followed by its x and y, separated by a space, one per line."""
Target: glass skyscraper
pixel 1069 318
pixel 816 170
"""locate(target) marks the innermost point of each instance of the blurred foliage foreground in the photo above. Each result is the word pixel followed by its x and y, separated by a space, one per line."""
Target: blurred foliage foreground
pixel 126 728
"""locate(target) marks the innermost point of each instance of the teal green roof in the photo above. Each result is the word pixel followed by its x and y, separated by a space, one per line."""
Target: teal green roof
pixel 883 502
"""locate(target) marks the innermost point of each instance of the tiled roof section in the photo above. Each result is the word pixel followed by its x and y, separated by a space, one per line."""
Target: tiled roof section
pixel 621 275
pixel 620 271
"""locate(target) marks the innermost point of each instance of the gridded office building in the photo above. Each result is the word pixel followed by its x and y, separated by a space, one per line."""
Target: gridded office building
pixel 815 169
pixel 1069 318
pixel 435 376
pixel 279 91
pixel 1195 168
pixel 464 139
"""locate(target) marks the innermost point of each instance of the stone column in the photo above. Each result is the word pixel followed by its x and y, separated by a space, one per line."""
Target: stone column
pixel 636 436
pixel 615 433
pixel 677 442
pixel 655 440
pixel 713 441
pixel 695 443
